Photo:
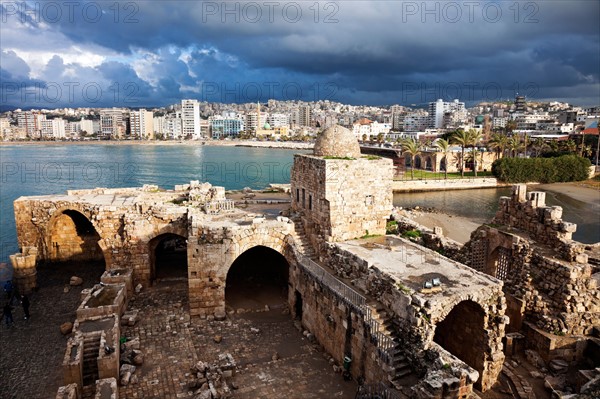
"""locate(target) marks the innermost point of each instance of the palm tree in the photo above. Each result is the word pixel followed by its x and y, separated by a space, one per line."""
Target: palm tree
pixel 498 143
pixel 510 126
pixel 444 147
pixel 412 147
pixel 463 139
pixel 569 146
pixel 525 143
pixel 514 145
pixel 538 146
pixel 474 138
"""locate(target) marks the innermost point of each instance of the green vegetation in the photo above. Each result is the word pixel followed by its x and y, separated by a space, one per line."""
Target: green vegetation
pixel 370 235
pixel 446 366
pixel 403 288
pixel 542 170
pixel 371 157
pixel 391 227
pixel 412 234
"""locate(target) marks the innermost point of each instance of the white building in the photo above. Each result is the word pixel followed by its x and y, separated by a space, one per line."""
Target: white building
pixel 88 126
pixel 111 123
pixel 369 129
pixel 53 128
pixel 142 124
pixel 440 107
pixel 499 122
pixel 190 119
pixel 278 120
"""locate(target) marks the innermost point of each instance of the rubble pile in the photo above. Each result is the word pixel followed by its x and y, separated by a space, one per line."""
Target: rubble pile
pixel 210 381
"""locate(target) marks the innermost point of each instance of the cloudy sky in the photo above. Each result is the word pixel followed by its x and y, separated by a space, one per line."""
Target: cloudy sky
pixel 153 53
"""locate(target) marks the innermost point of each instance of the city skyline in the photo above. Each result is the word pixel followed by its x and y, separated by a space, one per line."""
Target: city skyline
pixel 142 54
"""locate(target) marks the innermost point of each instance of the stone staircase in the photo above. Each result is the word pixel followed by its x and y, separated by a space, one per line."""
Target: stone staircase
pixel 402 375
pixel 300 238
pixel 91 347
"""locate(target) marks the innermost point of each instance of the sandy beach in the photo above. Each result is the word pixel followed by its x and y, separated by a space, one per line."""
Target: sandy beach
pixel 459 228
pixel 456 228
pixel 574 190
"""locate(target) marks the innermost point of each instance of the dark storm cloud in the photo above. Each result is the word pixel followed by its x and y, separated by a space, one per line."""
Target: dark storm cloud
pixel 375 52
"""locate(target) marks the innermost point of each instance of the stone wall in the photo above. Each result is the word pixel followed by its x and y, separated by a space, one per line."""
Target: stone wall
pixel 212 249
pixel 549 281
pixel 337 325
pixel 528 212
pixel 341 199
pixel 416 318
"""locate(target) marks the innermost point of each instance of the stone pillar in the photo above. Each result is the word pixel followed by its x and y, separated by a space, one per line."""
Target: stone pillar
pixel 25 274
pixel 537 199
pixel 519 192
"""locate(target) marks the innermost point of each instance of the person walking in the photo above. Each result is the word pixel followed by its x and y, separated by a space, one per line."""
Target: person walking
pixel 25 304
pixel 7 314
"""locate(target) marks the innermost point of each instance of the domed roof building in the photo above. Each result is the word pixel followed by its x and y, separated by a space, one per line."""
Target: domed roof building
pixel 337 141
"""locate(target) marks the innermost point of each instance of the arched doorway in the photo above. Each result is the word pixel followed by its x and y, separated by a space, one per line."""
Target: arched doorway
pixel 464 324
pixel 418 162
pixel 74 238
pixel 168 257
pixel 407 160
pixel 498 263
pixel 258 277
pixel 428 164
pixel 443 164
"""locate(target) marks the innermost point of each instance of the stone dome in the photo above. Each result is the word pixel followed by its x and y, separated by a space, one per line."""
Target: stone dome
pixel 337 141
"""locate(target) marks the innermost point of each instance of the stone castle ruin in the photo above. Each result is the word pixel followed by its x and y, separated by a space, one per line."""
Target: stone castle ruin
pixel 406 316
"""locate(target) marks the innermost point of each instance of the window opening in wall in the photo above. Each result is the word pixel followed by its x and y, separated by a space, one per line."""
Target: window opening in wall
pixel 303 198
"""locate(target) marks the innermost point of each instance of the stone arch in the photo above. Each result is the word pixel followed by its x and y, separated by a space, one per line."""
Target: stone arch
pixel 428 163
pixel 466 322
pixel 168 255
pixel 418 162
pixel 407 160
pixel 258 277
pixel 72 236
pixel 443 164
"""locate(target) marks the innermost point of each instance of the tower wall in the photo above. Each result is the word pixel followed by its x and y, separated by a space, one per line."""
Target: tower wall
pixel 342 199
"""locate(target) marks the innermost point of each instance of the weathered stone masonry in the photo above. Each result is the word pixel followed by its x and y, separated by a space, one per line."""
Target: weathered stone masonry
pixel 340 201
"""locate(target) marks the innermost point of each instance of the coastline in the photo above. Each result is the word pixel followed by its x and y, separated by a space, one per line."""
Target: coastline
pixel 575 190
pixel 218 143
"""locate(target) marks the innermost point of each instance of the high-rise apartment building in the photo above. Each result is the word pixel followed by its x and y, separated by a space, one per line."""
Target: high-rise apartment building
pixel 112 124
pixel 438 108
pixel 142 124
pixel 190 119
pixel 305 115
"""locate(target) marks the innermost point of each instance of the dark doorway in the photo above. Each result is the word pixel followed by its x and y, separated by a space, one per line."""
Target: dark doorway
pixel 464 324
pixel 258 277
pixel 168 253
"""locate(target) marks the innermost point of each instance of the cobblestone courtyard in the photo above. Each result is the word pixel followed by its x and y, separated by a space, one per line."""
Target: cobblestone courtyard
pixel 32 351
